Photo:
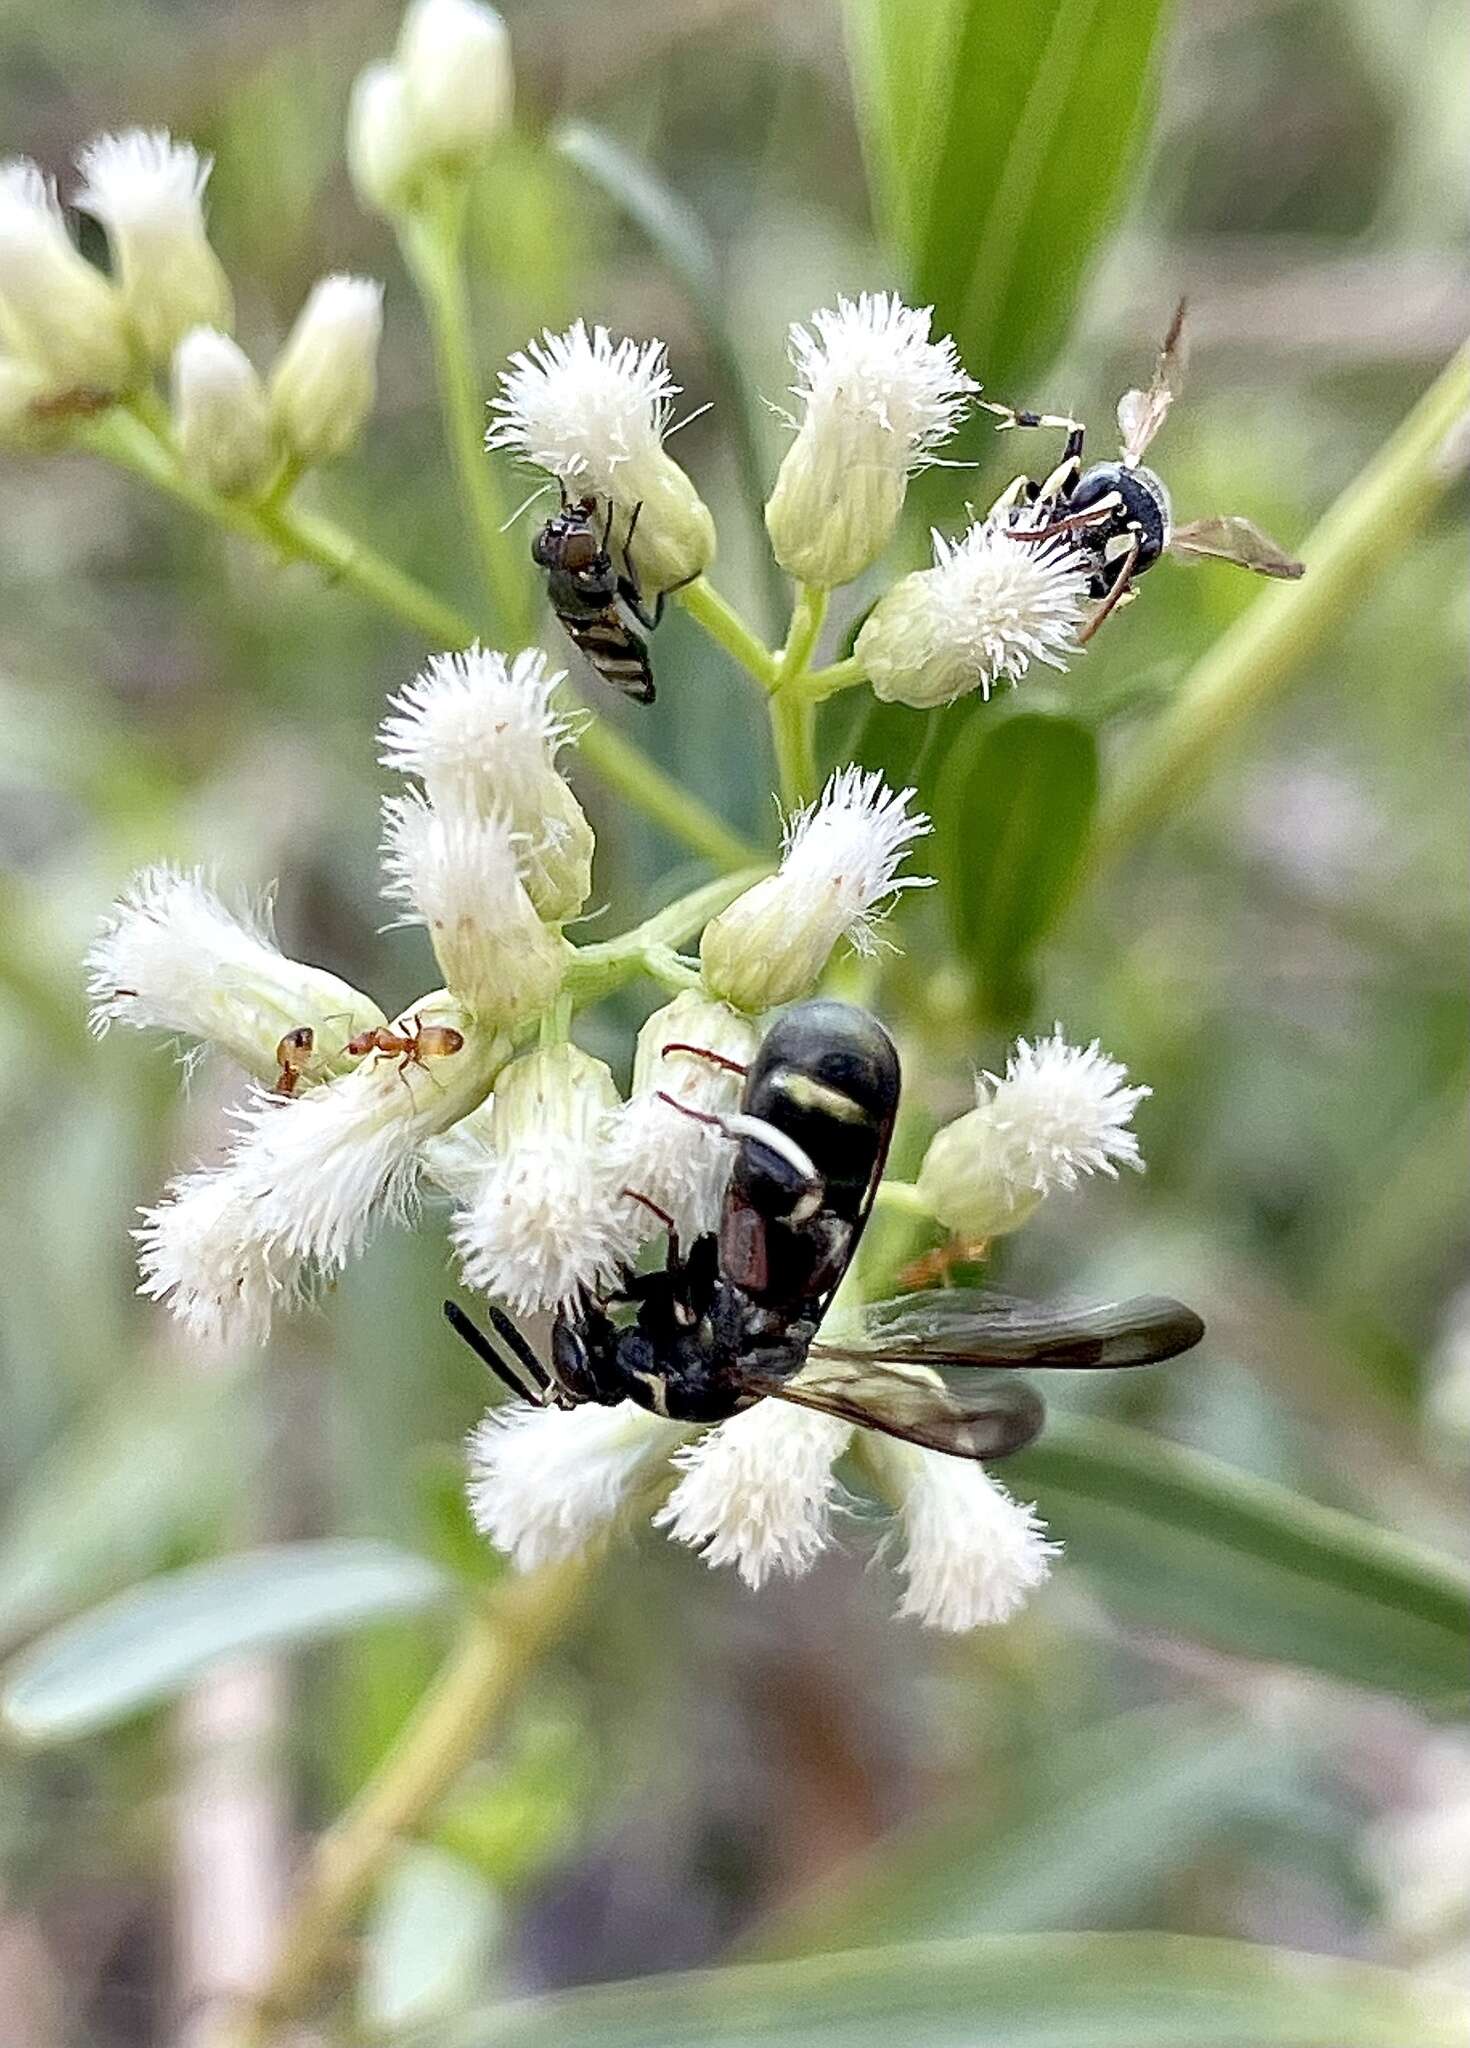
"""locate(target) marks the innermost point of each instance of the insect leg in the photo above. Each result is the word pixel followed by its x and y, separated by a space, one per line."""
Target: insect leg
pixel 490 1358
pixel 702 1052
pixel 1012 416
pixel 1095 515
pixel 1114 597
pixel 646 1202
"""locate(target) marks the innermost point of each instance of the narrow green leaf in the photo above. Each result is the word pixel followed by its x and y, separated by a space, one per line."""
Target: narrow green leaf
pixel 999 141
pixel 1018 1991
pixel 151 1642
pixel 1178 1541
pixel 1013 811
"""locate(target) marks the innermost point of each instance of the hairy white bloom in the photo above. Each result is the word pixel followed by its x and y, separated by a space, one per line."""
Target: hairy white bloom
pixel 57 313
pixel 668 1157
pixel 545 1483
pixel 172 956
pixel 992 604
pixel 546 1218
pixel 1059 1111
pixel 879 398
pixel 325 378
pixel 454 58
pixel 460 876
pixel 380 147
pixel 200 1251
pixel 482 733
pixel 758 1491
pixel 594 413
pixel 972 1554
pixel 221 418
pixel 148 192
pixel 838 873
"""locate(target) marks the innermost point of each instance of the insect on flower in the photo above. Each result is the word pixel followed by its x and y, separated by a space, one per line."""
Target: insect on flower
pixel 1117 514
pixel 409 1048
pixel 592 597
pixel 736 1319
pixel 292 1054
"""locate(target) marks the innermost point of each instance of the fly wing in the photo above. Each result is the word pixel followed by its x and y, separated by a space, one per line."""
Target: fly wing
pixel 964 1326
pixel 979 1415
pixel 1142 413
pixel 1234 540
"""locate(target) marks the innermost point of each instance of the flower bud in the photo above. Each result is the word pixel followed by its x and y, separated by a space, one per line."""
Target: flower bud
pixel 594 414
pixel 482 734
pixel 57 313
pixel 221 415
pixel 992 604
pixel 1058 1112
pixel 325 378
pixel 21 388
pixel 454 57
pixel 838 873
pixel 148 191
pixel 380 153
pixel 546 1219
pixel 879 398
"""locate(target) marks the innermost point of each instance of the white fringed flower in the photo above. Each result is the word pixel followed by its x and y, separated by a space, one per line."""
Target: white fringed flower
pixel 545 1483
pixel 221 417
pixel 460 876
pixel 594 413
pixel 148 192
pixel 838 873
pixel 200 1252
pixel 972 1555
pixel 325 379
pixel 173 957
pixel 758 1491
pixel 57 313
pixel 454 58
pixel 546 1219
pixel 879 398
pixel 1059 1112
pixel 670 1158
pixel 482 733
pixel 992 604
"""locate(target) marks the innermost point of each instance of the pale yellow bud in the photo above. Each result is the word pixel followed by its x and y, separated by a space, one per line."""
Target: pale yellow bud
pixel 221 415
pixel 325 379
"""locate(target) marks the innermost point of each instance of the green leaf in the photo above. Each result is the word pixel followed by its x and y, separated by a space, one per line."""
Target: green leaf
pixel 427 1941
pixel 1013 814
pixel 999 142
pixel 1020 1991
pixel 151 1642
pixel 1181 1542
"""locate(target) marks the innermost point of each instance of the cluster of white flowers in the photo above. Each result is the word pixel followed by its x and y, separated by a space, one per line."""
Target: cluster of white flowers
pixel 437 107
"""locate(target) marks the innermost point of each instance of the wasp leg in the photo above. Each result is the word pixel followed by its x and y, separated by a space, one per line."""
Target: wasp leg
pixel 1114 597
pixel 702 1052
pixel 490 1358
pixel 1094 515
pixel 647 1202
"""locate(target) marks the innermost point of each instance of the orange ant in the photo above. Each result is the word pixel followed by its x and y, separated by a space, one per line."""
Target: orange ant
pixel 409 1048
pixel 935 1269
pixel 292 1054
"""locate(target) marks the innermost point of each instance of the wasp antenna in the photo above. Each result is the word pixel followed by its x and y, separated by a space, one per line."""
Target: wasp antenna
pixel 488 1356
pixel 516 1344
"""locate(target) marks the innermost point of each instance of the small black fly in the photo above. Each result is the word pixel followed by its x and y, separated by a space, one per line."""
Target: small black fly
pixel 599 604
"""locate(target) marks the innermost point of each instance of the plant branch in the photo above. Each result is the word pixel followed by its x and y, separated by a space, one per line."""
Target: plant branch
pixel 649 947
pixel 1366 528
pixel 793 711
pixel 724 624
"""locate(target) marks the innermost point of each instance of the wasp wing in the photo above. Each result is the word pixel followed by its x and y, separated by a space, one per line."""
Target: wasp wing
pixel 1234 540
pixel 979 1415
pixel 965 1326
pixel 1142 413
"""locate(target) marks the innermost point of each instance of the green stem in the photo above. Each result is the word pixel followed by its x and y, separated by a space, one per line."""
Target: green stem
pixel 900 1196
pixel 1364 530
pixel 308 537
pixel 724 624
pixel 499 1646
pixel 808 615
pixel 818 683
pixel 433 248
pixel 793 712
pixel 650 946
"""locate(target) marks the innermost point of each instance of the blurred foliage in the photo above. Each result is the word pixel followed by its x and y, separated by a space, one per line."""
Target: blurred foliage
pixel 1215 1716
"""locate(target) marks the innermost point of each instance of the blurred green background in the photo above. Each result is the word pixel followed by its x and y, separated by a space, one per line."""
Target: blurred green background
pixel 1199 1727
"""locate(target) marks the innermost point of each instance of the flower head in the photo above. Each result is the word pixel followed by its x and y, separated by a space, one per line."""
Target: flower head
pixel 1059 1112
pixel 545 1484
pixel 173 956
pixel 201 1254
pixel 879 398
pixel 325 379
pixel 221 418
pixel 972 1554
pixel 594 413
pixel 482 733
pixel 758 1492
pixel 454 58
pixel 838 873
pixel 148 192
pixel 545 1218
pixel 57 313
pixel 459 874
pixel 673 1160
pixel 992 604
pixel 381 155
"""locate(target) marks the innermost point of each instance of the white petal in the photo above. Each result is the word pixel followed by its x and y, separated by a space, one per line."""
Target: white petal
pixel 758 1491
pixel 546 1482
